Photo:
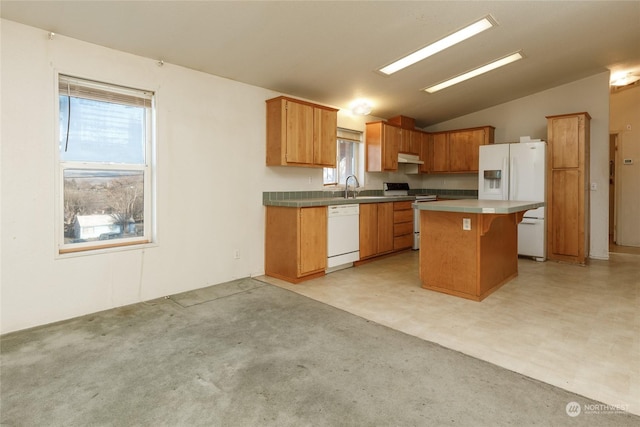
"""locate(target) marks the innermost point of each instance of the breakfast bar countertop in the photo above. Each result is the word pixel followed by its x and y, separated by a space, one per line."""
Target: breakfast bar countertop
pixel 479 206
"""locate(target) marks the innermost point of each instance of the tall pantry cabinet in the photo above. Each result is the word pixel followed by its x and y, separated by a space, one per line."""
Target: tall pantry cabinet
pixel 567 206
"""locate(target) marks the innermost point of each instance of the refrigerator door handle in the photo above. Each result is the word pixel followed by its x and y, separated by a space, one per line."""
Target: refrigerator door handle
pixel 513 184
pixel 505 183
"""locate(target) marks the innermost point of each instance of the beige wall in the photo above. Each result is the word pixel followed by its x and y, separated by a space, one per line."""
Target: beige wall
pixel 625 122
pixel 526 117
pixel 210 177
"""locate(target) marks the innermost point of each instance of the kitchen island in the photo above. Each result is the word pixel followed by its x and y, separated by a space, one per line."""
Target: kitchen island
pixel 469 248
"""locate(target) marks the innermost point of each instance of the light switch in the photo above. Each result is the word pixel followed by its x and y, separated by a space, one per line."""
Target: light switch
pixel 466 223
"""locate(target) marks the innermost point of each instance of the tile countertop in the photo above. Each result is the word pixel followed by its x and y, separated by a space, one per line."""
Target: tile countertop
pixel 479 206
pixel 329 201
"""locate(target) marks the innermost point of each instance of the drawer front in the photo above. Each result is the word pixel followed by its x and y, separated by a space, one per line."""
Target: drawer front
pixel 403 216
pixel 402 229
pixel 401 206
pixel 403 242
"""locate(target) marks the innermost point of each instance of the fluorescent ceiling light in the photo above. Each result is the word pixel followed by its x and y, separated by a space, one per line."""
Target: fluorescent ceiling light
pixel 442 44
pixel 473 73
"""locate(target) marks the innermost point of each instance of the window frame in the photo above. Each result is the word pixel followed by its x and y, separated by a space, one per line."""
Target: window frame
pixel 350 136
pixel 147 168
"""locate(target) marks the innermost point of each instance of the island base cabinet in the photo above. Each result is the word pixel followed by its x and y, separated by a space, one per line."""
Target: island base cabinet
pixel 468 263
pixel 295 243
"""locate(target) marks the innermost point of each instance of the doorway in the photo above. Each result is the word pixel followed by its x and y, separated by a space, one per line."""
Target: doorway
pixel 613 146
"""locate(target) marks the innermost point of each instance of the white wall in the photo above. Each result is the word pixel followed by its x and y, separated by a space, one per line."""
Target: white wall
pixel 210 177
pixel 526 117
pixel 625 121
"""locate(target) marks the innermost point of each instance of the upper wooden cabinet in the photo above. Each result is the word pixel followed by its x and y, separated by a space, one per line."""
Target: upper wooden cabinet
pixel 458 150
pixel 567 205
pixel 300 133
pixel 409 137
pixel 383 143
pixel 439 150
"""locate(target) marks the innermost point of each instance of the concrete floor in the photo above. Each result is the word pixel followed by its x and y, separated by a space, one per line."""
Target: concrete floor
pixel 570 326
pixel 250 354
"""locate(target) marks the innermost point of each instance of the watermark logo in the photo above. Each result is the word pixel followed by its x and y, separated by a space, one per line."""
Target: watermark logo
pixel 573 409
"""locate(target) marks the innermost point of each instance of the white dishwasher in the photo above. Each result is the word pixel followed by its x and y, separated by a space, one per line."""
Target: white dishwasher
pixel 343 235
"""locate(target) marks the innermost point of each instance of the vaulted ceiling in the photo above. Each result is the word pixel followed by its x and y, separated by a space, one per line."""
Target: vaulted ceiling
pixel 329 51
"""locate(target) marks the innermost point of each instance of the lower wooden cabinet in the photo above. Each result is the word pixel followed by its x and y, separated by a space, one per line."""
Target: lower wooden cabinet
pixel 376 229
pixel 402 225
pixel 295 242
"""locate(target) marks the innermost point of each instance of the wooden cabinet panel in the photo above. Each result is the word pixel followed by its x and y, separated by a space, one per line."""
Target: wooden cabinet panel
pixel 313 240
pixel 385 227
pixel 295 242
pixel 464 149
pixel 565 151
pixel 299 138
pixel 300 133
pixel 368 230
pixel 566 200
pixel 325 123
pixel 402 225
pixel 402 228
pixel 424 152
pixel 376 229
pixel 458 150
pixel 440 152
pixel 382 144
pixel 410 141
pixel 567 207
pixel 402 216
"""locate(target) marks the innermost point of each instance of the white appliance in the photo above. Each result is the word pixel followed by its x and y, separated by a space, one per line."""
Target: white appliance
pixel 517 172
pixel 343 236
pixel 421 198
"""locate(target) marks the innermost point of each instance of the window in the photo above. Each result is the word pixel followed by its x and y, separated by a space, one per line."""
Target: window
pixel 348 155
pixel 105 145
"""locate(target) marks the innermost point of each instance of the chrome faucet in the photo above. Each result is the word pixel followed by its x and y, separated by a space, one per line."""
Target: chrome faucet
pixel 346 186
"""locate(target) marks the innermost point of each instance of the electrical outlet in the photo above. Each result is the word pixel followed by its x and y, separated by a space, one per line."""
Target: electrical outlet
pixel 236 254
pixel 466 224
pixel 594 186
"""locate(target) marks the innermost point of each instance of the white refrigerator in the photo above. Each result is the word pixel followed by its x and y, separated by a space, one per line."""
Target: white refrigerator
pixel 517 172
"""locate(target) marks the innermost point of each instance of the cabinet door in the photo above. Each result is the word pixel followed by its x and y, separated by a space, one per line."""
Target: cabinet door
pixel 440 152
pixel 325 138
pixel 391 136
pixel 312 240
pixel 415 139
pixel 566 219
pixel 464 148
pixel 368 229
pixel 565 149
pixel 299 133
pixel 385 227
pixel 424 152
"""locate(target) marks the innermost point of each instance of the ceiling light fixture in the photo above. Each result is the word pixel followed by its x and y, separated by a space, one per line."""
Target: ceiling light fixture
pixel 476 72
pixel 361 107
pixel 624 79
pixel 442 44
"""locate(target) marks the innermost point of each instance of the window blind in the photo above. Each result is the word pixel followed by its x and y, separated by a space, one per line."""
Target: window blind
pixel 80 88
pixel 349 135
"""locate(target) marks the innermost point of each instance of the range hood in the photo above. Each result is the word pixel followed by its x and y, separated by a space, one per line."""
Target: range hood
pixel 409 158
